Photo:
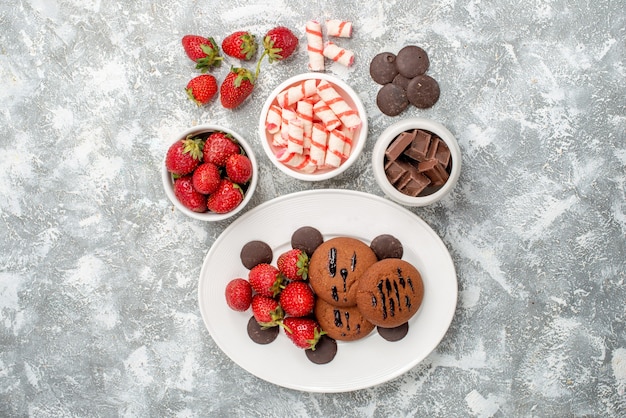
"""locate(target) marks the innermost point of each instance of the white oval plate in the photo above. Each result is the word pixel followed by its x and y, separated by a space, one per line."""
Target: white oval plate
pixel 358 364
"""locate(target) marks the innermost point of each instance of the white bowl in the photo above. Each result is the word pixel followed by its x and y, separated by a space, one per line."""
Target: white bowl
pixel 358 141
pixel 385 139
pixel 168 183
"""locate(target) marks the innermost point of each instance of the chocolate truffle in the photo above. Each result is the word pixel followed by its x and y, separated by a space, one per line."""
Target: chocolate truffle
pixel 259 334
pixel 402 81
pixel 394 334
pixel 387 246
pixel 325 350
pixel 306 239
pixel 412 61
pixel 423 91
pixel 256 252
pixel 392 99
pixel 383 68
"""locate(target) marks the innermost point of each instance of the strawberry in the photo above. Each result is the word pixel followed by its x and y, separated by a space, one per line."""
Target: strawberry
pixel 266 311
pixel 265 279
pixel 188 196
pixel 239 168
pixel 240 44
pixel 201 89
pixel 297 299
pixel 206 177
pixel 225 198
pixel 303 332
pixel 294 264
pixel 238 294
pixel 236 87
pixel 184 156
pixel 279 43
pixel 203 51
pixel 218 147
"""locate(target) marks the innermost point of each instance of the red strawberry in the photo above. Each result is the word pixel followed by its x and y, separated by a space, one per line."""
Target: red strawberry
pixel 204 51
pixel 240 44
pixel 238 294
pixel 279 43
pixel 265 279
pixel 206 178
pixel 304 332
pixel 239 168
pixel 266 310
pixel 201 89
pixel 184 156
pixel 297 299
pixel 218 147
pixel 225 198
pixel 236 87
pixel 294 264
pixel 188 196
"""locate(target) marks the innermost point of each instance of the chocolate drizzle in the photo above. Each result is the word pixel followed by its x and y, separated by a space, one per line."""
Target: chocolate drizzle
pixel 332 261
pixel 353 261
pixel 338 322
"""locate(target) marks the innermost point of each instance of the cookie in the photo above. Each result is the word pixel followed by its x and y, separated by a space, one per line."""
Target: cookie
pixel 412 61
pixel 423 91
pixel 383 68
pixel 335 268
pixel 390 292
pixel 343 324
pixel 392 99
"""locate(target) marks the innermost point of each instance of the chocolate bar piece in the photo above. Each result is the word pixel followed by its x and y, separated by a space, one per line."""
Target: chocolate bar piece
pixel 394 171
pixel 419 145
pixel 443 154
pixel 398 145
pixel 415 185
pixel 434 171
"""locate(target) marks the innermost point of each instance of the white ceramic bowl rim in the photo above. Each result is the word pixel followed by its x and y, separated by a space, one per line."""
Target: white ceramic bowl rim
pixel 210 216
pixel 392 132
pixel 356 150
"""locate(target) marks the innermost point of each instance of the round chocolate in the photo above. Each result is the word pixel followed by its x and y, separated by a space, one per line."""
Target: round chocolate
pixel 254 253
pixel 383 68
pixel 394 334
pixel 387 246
pixel 325 350
pixel 423 91
pixel 401 81
pixel 412 61
pixel 259 334
pixel 392 99
pixel 306 239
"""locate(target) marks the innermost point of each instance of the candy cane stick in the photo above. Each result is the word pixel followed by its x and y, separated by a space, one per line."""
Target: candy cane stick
pixel 295 93
pixel 315 45
pixel 304 110
pixel 338 54
pixel 297 161
pixel 336 144
pixel 274 119
pixel 340 28
pixel 348 116
pixel 349 134
pixel 326 115
pixel 295 138
pixel 319 140
pixel 287 114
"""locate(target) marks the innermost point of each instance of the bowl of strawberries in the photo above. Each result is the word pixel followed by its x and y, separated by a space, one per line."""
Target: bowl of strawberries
pixel 209 172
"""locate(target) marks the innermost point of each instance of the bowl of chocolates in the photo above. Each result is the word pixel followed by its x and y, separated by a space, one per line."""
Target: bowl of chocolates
pixel 416 161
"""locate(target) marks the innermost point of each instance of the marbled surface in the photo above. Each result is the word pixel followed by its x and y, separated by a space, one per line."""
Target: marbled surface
pixel 98 273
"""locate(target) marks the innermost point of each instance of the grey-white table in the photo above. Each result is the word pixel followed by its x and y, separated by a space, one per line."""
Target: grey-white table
pixel 98 273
